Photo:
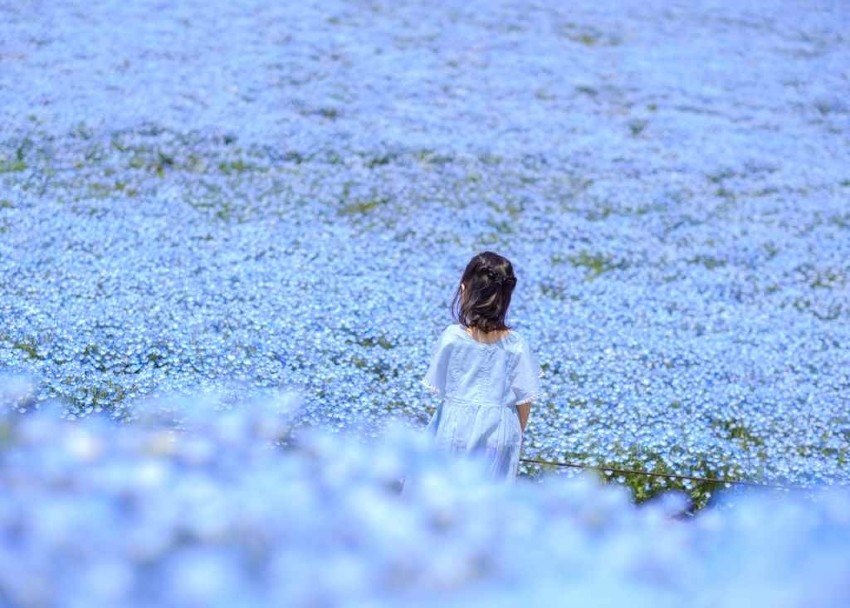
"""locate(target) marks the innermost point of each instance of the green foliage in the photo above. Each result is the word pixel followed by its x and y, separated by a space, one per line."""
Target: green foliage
pixel 18 161
pixel 709 262
pixel 235 166
pixel 595 263
pixel 637 126
pixel 645 475
pixel 360 207
pixel 29 350
pixel 9 166
pixel 370 342
pixel 589 36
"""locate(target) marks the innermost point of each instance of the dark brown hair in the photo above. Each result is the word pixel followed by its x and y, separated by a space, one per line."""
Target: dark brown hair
pixel 483 302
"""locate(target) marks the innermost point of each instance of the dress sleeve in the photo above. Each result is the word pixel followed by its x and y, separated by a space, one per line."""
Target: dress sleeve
pixel 525 380
pixel 435 377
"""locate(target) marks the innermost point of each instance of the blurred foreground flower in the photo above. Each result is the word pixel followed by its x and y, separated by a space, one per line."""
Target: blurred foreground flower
pixel 205 506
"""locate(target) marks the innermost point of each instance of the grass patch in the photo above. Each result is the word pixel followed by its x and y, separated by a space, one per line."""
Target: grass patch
pixel 553 290
pixel 739 432
pixel 361 207
pixel 380 160
pixel 709 262
pixel 647 475
pixel 104 190
pixel 501 226
pixel 589 36
pixel 432 157
pixel 370 342
pixel 595 264
pixel 723 192
pixel 29 350
pixel 587 90
pixel 637 126
pixel 718 177
pixel 381 370
pixel 11 166
pixel 664 479
pixel 230 167
pixel 328 113
pixel 226 212
pixel 18 161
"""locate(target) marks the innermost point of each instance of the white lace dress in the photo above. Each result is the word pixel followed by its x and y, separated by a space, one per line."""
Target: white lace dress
pixel 481 385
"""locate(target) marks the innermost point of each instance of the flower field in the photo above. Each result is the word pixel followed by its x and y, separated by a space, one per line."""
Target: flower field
pixel 239 199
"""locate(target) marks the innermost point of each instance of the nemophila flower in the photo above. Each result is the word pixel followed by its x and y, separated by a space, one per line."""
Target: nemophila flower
pixel 679 227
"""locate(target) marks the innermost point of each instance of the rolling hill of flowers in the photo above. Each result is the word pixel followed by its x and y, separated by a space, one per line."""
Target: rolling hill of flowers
pixel 201 198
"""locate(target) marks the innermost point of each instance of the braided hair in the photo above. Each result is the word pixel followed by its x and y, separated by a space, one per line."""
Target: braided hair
pixel 484 294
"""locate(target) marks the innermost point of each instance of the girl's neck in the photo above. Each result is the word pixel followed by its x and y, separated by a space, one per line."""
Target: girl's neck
pixel 486 337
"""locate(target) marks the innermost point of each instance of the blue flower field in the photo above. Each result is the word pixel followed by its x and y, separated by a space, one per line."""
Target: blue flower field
pixel 230 225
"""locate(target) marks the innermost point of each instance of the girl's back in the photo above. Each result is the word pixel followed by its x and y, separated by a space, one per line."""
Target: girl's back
pixel 496 374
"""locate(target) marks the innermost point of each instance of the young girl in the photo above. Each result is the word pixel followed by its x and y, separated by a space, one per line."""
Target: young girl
pixel 483 370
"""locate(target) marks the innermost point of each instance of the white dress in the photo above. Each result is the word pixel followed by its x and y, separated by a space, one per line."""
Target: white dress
pixel 481 385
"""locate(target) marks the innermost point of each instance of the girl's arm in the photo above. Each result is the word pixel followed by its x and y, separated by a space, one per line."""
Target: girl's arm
pixel 523 409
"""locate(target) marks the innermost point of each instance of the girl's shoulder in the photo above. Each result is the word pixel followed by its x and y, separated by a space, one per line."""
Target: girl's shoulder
pixel 451 333
pixel 455 331
pixel 516 340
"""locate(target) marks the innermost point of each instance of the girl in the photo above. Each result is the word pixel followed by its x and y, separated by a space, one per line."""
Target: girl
pixel 483 370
